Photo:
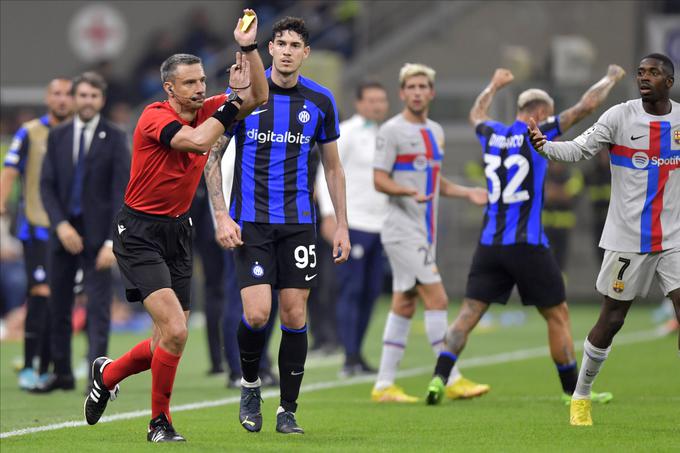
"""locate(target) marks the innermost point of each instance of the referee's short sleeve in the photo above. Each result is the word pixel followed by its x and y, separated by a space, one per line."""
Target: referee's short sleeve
pixel 168 132
pixel 153 121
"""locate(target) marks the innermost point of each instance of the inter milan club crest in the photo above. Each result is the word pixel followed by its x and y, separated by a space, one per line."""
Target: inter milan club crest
pixel 304 116
pixel 618 286
pixel 676 137
pixel 257 270
pixel 39 274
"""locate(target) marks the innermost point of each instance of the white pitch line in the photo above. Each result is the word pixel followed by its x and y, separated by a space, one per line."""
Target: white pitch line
pixel 505 357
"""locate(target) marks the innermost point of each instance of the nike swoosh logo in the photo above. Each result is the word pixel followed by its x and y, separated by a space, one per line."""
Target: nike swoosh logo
pixel 247 422
pixel 308 278
pixel 296 373
pixel 639 136
pixel 257 112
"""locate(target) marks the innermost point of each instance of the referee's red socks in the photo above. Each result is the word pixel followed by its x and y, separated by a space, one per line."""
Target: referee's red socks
pixel 163 370
pixel 134 361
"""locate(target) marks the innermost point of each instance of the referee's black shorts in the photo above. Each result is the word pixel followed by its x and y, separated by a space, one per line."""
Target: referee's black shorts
pixel 496 269
pixel 154 252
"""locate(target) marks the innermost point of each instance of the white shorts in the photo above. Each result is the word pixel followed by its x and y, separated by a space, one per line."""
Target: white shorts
pixel 625 275
pixel 412 263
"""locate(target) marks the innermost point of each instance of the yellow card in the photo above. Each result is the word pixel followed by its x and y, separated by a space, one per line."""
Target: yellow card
pixel 247 19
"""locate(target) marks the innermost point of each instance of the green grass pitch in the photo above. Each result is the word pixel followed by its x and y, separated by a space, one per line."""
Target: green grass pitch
pixel 521 413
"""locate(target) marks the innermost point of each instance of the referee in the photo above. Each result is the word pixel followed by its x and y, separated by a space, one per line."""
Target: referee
pixel 272 201
pixel 153 241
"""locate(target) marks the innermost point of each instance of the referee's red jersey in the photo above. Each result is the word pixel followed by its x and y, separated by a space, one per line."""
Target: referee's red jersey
pixel 163 181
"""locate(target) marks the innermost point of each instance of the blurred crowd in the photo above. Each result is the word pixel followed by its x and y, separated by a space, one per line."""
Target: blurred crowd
pixel 330 25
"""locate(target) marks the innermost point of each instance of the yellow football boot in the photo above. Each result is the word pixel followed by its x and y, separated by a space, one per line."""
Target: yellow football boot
pixel 392 394
pixel 579 413
pixel 464 388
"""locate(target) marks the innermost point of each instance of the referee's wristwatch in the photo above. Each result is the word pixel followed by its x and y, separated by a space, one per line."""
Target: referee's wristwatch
pixel 234 97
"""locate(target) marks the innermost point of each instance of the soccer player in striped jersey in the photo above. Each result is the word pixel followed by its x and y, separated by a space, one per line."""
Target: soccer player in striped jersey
pixel 24 159
pixel 407 167
pixel 513 249
pixel 272 201
pixel 641 236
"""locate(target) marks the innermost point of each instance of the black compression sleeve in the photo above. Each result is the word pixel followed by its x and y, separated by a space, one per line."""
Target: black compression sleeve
pixel 169 132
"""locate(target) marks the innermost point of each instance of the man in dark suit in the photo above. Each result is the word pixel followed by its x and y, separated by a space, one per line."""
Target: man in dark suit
pixel 84 174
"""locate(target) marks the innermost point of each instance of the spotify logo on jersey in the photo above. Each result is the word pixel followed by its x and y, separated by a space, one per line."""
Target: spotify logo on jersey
pixel 640 160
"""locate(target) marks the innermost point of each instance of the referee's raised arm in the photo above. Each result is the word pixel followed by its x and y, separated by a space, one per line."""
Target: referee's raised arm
pixel 249 89
pixel 199 139
pixel 259 90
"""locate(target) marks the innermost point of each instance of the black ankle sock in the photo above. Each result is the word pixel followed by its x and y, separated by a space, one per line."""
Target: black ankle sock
pixel 568 377
pixel 250 343
pixel 292 356
pixel 36 310
pixel 46 346
pixel 445 363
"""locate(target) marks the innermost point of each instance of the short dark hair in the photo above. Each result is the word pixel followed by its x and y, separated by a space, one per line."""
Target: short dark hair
pixel 666 62
pixel 169 66
pixel 296 24
pixel 91 78
pixel 366 85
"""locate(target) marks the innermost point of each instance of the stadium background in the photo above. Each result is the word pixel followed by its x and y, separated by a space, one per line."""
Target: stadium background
pixel 562 46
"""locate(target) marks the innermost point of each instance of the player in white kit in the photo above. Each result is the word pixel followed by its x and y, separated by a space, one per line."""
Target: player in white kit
pixel 407 165
pixel 641 236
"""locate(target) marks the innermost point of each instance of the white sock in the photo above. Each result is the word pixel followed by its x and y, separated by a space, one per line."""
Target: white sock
pixel 593 358
pixel 394 343
pixel 251 385
pixel 435 328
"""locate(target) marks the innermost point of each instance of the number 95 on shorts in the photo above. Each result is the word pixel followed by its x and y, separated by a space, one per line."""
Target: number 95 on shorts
pixel 280 255
pixel 626 275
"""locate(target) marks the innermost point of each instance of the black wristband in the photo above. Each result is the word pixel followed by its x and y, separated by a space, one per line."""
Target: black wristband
pixel 249 47
pixel 226 114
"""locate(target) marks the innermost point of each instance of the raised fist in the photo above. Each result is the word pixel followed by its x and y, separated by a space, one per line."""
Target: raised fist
pixel 615 72
pixel 502 77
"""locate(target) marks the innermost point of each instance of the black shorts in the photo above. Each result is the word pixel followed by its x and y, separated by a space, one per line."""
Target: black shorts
pixel 35 261
pixel 154 252
pixel 496 269
pixel 280 255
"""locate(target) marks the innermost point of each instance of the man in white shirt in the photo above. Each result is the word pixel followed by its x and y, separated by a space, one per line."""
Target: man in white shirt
pixel 359 279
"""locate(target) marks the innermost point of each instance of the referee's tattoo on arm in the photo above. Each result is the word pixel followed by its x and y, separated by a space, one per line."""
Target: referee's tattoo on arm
pixel 213 174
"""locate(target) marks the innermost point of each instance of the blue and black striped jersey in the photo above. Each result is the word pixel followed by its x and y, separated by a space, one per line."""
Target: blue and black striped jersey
pixel 273 175
pixel 515 174
pixel 25 154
